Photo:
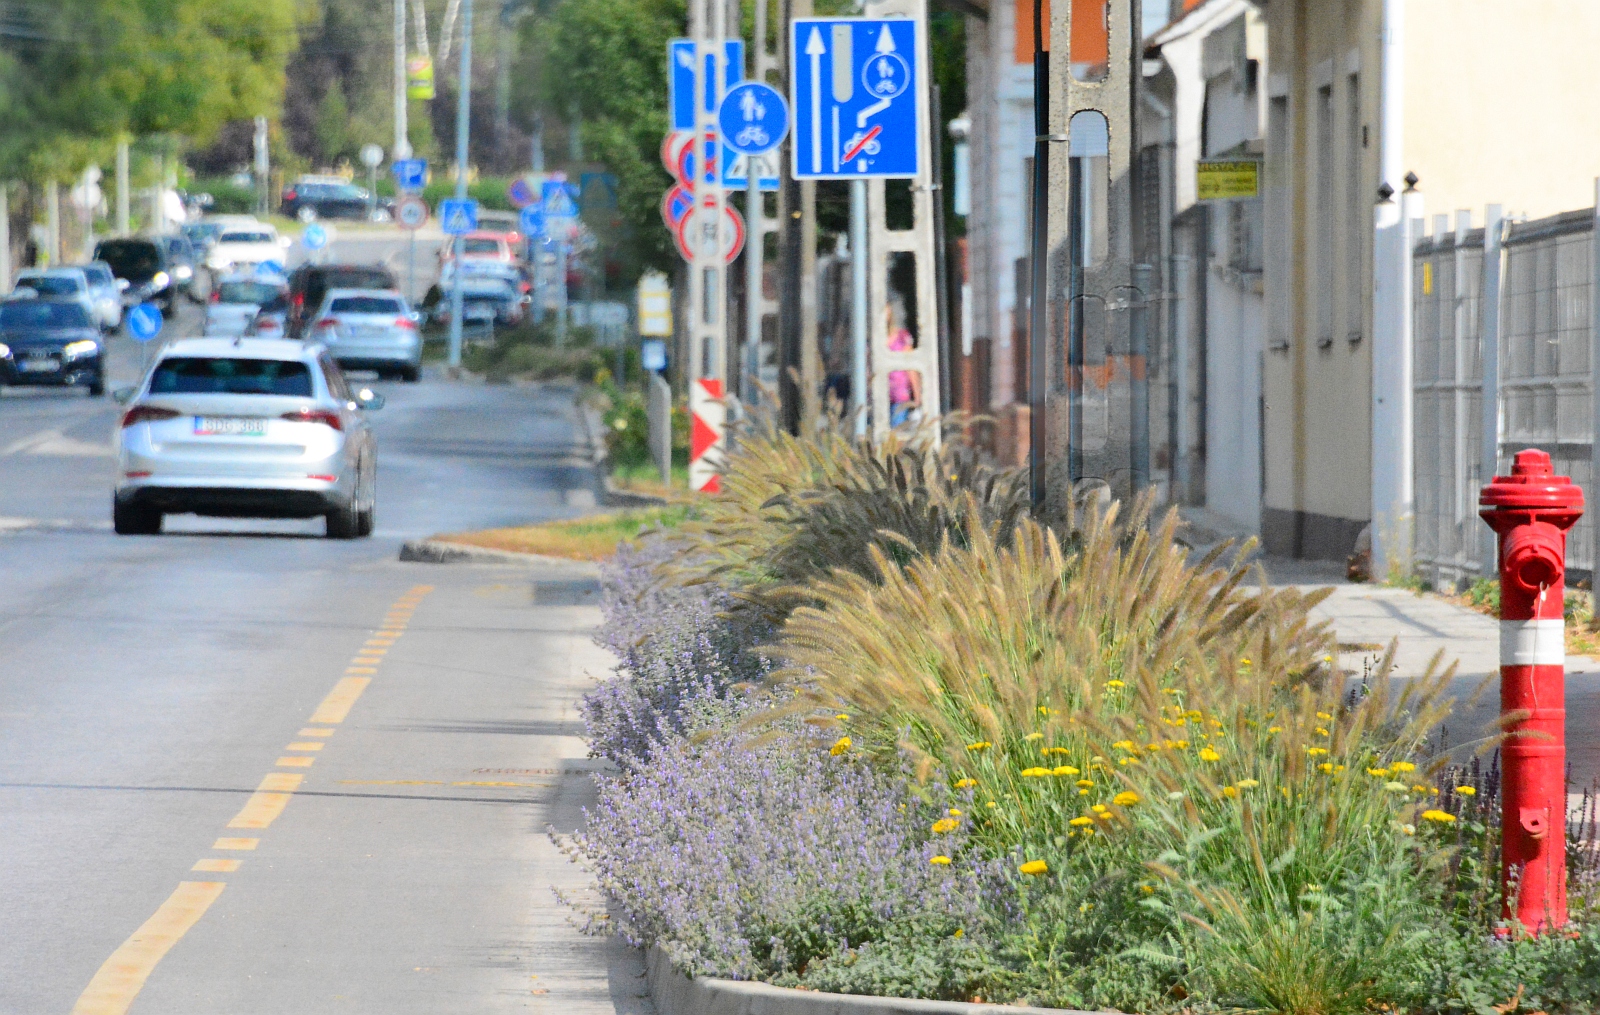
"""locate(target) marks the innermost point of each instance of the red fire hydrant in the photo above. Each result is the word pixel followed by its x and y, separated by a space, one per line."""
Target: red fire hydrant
pixel 1531 511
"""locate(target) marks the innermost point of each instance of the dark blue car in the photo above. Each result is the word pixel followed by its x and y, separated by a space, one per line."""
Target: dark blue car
pixel 50 343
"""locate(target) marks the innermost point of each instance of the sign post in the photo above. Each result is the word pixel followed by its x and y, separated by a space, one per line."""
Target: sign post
pixel 860 98
pixel 458 216
pixel 144 323
pixel 561 219
pixel 754 120
pixel 468 210
pixel 410 176
pixel 372 158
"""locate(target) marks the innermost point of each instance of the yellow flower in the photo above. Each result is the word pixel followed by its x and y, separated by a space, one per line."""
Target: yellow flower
pixel 942 861
pixel 1274 729
pixel 981 745
pixel 1086 831
pixel 1127 798
pixel 839 746
pixel 1467 790
pixel 1326 766
pixel 1034 736
pixel 1129 761
pixel 1209 754
pixel 1124 745
pixel 1180 744
pixel 1153 747
pixel 1403 766
pixel 1081 821
pixel 965 783
pixel 991 803
pixel 1085 783
pixel 1381 773
pixel 1324 716
pixel 1314 751
pixel 1035 867
pixel 1169 690
pixel 1047 751
pixel 1230 791
pixel 1148 889
pixel 1115 684
pixel 1248 784
pixel 842 715
pixel 1321 732
pixel 1104 817
pixel 1244 662
pixel 1046 711
pixel 954 813
pixel 1442 817
pixel 1034 773
pixel 1194 713
pixel 1097 808
pixel 1063 770
pixel 959 931
pixel 1083 792
pixel 944 825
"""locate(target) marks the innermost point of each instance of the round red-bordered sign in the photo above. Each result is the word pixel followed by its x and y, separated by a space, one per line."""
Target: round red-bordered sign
pixel 675 204
pixel 688 164
pixel 672 147
pixel 410 212
pixel 728 227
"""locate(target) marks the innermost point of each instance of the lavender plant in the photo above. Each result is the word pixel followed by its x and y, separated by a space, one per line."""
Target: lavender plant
pixel 679 652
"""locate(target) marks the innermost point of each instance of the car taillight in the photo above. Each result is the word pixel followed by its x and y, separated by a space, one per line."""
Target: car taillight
pixel 299 300
pixel 270 324
pixel 405 322
pixel 290 195
pixel 147 414
pixel 216 296
pixel 328 322
pixel 327 417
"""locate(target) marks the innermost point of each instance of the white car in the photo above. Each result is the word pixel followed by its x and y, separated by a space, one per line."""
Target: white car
pixel 245 247
pixel 68 284
pixel 106 293
pixel 238 297
pixel 370 329
pixel 246 428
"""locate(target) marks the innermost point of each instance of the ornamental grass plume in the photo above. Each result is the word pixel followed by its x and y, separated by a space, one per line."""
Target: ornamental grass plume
pixel 990 641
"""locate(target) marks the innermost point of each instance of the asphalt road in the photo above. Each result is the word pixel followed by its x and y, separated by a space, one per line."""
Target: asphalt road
pixel 246 769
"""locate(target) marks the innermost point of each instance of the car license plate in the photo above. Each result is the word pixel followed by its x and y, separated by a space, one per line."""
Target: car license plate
pixel 39 366
pixel 229 426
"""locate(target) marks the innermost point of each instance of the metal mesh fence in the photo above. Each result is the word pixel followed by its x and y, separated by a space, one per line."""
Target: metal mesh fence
pixel 1544 381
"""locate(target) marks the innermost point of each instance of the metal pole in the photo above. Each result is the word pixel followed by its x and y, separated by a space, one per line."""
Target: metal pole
pixel 52 210
pixel 1139 400
pixel 1039 252
pixel 754 248
pixel 858 304
pixel 463 128
pixel 411 266
pixel 561 306
pixel 402 133
pixel 5 238
pixel 122 186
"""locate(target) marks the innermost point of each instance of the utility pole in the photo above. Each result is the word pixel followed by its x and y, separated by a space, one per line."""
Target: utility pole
pixel 402 130
pixel 263 166
pixel 52 209
pixel 122 186
pixel 463 134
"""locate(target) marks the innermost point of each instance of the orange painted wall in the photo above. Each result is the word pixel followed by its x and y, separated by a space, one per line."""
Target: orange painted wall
pixel 1089 41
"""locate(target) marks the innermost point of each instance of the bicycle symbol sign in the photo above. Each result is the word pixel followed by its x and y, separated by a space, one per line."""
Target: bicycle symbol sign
pixel 753 118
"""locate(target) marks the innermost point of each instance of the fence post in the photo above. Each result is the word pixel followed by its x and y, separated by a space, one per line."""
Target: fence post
pixel 1489 330
pixel 660 415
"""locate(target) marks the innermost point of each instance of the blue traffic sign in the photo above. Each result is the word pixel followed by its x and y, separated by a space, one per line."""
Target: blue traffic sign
pixel 458 215
pixel 753 118
pixel 532 221
pixel 560 200
pixel 680 81
pixel 144 322
pixel 410 174
pixel 854 92
pixel 737 175
pixel 653 354
pixel 315 237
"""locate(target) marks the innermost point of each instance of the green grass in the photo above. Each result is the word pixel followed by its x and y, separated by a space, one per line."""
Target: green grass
pixel 594 537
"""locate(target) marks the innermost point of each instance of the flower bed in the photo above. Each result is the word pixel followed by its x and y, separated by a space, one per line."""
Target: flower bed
pixel 879 733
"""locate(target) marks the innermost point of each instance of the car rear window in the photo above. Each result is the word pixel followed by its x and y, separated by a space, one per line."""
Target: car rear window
pixel 246 292
pixel 364 305
pixel 42 314
pixel 205 375
pixel 246 238
pixel 98 274
pixel 480 246
pixel 130 258
pixel 51 285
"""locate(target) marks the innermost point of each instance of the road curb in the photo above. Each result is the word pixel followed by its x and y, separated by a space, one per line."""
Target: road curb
pixel 439 551
pixel 676 994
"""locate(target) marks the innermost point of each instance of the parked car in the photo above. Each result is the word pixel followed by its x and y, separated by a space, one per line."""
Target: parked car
pixel 309 283
pixel 62 284
pixel 238 297
pixel 144 265
pixel 330 197
pixel 367 329
pixel 201 235
pixel 50 342
pixel 106 293
pixel 490 292
pixel 483 245
pixel 244 247
pixel 253 428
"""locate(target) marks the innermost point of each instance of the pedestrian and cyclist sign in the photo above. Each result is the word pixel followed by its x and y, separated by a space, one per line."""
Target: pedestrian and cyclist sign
pixel 854 92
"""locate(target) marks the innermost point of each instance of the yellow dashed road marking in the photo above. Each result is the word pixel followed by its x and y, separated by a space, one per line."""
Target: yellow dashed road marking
pixel 122 977
pixel 236 844
pixel 312 746
pixel 337 704
pixel 295 762
pixel 390 782
pixel 217 866
pixel 268 801
pixel 349 669
pixel 312 731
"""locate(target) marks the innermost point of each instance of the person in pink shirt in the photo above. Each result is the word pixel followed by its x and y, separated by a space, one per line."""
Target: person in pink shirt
pixel 905 386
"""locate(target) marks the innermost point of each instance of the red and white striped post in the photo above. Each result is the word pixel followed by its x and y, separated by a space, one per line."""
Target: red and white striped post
pixel 1531 511
pixel 708 415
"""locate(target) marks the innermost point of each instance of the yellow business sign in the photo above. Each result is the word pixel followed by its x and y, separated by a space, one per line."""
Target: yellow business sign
pixel 419 78
pixel 1220 179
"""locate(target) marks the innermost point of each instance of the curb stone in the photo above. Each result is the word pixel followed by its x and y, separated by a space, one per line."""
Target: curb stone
pixel 438 551
pixel 676 994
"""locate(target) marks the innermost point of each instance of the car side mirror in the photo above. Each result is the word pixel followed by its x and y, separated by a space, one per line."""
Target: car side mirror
pixel 122 284
pixel 124 395
pixel 366 398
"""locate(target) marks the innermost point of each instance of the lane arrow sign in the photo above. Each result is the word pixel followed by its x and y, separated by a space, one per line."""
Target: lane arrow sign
pixel 815 49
